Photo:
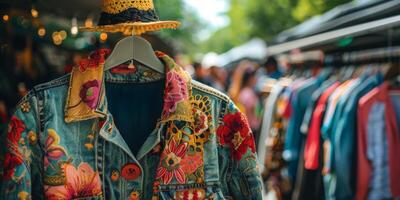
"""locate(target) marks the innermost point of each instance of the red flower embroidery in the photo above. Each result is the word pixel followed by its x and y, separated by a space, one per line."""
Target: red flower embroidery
pixel 94 59
pixel 175 92
pixel 80 182
pixel 10 163
pixel 191 163
pixel 236 133
pixel 200 121
pixel 13 158
pixel 90 93
pixel 170 163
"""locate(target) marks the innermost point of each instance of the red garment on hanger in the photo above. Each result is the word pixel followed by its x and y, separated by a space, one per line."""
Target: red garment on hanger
pixel 379 94
pixel 313 142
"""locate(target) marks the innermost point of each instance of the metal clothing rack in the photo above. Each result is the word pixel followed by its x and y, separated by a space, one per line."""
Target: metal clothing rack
pixel 331 36
pixel 379 55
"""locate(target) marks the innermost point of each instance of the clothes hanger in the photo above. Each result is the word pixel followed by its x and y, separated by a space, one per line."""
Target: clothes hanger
pixel 134 48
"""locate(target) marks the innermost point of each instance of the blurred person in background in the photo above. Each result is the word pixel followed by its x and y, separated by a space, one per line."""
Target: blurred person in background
pixel 218 76
pixel 271 69
pixel 200 74
pixel 243 94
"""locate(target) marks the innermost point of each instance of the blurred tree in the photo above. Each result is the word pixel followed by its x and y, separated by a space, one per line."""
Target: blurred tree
pixel 264 19
pixel 176 10
pixel 308 8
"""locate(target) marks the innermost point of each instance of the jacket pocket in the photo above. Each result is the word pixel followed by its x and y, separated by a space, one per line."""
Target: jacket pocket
pixel 99 197
pixel 187 192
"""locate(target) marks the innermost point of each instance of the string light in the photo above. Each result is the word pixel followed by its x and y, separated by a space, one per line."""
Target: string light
pixel 57 38
pixel 6 18
pixel 74 28
pixel 63 34
pixel 34 13
pixel 89 22
pixel 103 37
pixel 41 31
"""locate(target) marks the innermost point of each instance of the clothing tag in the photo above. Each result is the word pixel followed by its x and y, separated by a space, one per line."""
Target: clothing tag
pixel 124 69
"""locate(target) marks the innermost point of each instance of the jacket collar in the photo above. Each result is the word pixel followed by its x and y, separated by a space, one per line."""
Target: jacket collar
pixel 86 97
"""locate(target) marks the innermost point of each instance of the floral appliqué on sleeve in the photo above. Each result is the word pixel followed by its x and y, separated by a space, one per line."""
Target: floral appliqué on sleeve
pixel 13 157
pixel 236 133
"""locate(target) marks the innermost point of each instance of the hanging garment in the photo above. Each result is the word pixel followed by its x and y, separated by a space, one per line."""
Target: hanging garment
pixel 275 174
pixel 327 135
pixel 309 184
pixel 377 117
pixel 268 118
pixel 294 138
pixel 345 140
pixel 65 141
pixel 313 143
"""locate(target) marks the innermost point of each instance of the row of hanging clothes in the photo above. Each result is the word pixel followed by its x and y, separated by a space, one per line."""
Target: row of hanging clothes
pixel 333 132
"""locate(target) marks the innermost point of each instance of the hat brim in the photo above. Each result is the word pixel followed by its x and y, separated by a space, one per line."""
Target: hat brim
pixel 133 28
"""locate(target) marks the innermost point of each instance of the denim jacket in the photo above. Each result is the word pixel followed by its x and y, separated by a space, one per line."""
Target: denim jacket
pixel 62 142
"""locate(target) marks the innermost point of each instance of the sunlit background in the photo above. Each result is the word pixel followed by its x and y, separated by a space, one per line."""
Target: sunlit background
pixel 40 39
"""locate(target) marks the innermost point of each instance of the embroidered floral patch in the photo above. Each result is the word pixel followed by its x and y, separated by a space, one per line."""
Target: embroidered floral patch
pixel 80 182
pixel 94 60
pixel 193 194
pixel 170 164
pixel 174 93
pixel 192 162
pixel 53 150
pixel 236 133
pixel 89 93
pixel 13 158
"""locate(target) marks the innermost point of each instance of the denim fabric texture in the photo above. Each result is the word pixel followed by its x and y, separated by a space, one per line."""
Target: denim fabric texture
pixel 85 136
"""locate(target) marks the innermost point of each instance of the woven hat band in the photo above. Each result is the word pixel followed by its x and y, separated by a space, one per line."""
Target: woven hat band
pixel 117 6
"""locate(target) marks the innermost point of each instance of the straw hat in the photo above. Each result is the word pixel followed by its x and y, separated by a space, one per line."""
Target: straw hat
pixel 131 17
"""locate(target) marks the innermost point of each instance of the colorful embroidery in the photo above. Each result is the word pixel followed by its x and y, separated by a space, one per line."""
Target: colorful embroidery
pixel 170 163
pixel 13 158
pixel 236 133
pixel 175 92
pixel 85 83
pixel 23 195
pixel 25 107
pixel 134 195
pixel 190 194
pixel 89 93
pixel 95 59
pixel 32 137
pixel 80 182
pixel 89 144
pixel 192 162
pixel 53 151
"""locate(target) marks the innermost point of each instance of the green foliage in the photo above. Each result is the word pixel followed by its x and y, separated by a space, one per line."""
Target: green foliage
pixel 176 10
pixel 264 19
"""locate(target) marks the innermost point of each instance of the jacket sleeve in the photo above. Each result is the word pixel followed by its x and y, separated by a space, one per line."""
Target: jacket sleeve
pixel 243 179
pixel 20 154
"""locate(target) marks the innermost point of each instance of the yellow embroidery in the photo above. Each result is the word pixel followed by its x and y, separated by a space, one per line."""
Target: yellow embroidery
pixel 32 137
pixel 23 195
pixel 25 107
pixel 74 109
pixel 54 180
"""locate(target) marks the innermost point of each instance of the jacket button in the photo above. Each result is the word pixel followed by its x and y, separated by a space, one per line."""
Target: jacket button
pixel 130 171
